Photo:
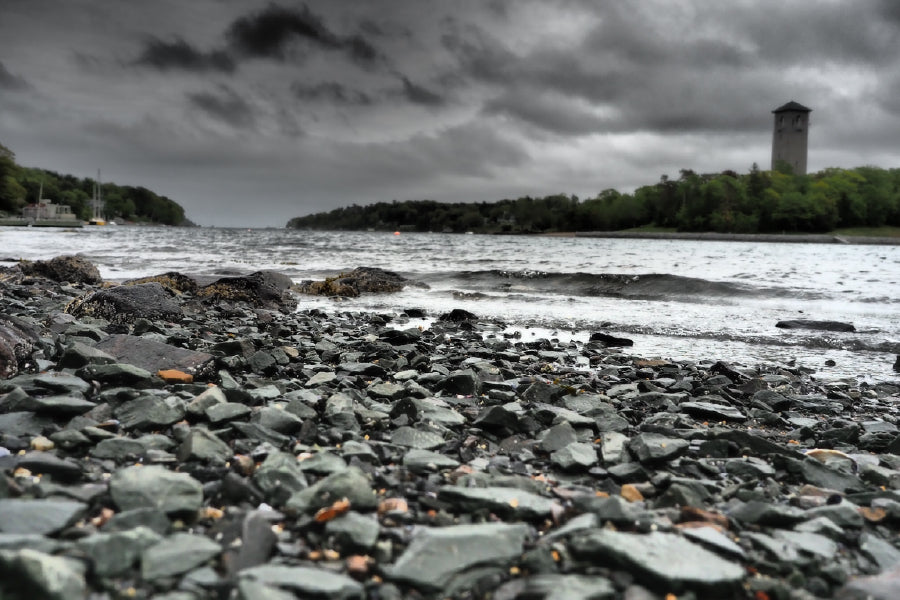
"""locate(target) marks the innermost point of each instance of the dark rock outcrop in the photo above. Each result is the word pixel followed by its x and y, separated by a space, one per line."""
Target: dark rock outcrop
pixel 71 269
pixel 816 325
pixel 262 289
pixel 172 280
pixel 358 281
pixel 125 303
pixel 610 341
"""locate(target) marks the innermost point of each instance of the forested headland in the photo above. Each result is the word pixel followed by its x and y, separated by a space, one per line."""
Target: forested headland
pixel 759 201
pixel 20 186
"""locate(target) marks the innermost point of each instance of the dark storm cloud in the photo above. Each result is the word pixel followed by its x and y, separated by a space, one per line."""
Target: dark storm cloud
pixel 332 92
pixel 11 82
pixel 418 94
pixel 226 106
pixel 272 32
pixel 178 54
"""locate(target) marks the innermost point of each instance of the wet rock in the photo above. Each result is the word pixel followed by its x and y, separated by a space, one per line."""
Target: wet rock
pixel 458 315
pixel 126 303
pixel 435 555
pixel 816 325
pixel 155 487
pixel 610 341
pixel 668 561
pixel 172 280
pixel 151 412
pixel 64 269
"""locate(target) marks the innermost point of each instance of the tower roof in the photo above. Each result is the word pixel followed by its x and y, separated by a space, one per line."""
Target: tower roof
pixel 793 107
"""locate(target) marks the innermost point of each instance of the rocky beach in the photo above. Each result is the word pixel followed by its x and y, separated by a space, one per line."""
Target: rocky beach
pixel 173 437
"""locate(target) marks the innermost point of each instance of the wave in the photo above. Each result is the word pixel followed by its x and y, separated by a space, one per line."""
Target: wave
pixel 653 286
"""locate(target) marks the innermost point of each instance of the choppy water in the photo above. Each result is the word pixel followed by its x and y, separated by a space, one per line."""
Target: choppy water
pixel 677 299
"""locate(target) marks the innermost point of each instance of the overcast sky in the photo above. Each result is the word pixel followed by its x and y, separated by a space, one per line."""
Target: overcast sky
pixel 249 113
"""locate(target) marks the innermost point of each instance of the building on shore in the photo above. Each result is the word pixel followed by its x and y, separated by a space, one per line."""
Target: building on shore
pixel 790 136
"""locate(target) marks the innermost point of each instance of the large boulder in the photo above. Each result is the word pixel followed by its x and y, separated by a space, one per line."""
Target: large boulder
pixel 67 268
pixel 353 283
pixel 125 303
pixel 262 289
pixel 18 340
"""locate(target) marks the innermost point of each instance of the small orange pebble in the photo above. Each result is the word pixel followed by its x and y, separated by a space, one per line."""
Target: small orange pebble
pixel 872 515
pixel 105 515
pixel 357 565
pixel 335 510
pixel 329 554
pixel 760 595
pixel 671 597
pixel 175 376
pixel 795 442
pixel 393 505
pixel 514 502
pixel 209 512
pixel 600 494
pixel 555 555
pixel 314 555
pixel 631 493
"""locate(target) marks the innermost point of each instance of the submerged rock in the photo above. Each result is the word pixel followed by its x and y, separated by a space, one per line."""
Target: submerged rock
pixel 816 325
pixel 360 280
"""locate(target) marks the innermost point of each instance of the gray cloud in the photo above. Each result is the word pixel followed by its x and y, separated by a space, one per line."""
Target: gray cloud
pixel 331 92
pixel 276 30
pixel 11 82
pixel 178 54
pixel 225 106
pixel 418 94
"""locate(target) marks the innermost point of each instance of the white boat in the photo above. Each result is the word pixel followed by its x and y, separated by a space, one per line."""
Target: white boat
pixel 97 204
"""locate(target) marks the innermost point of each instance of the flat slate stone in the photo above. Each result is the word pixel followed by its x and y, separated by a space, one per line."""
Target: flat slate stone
pixel 655 448
pixel 415 438
pixel 504 501
pixel 351 484
pixel 154 356
pixel 436 554
pixel 553 586
pixel 37 515
pixel 177 554
pixel 419 461
pixel 114 553
pixel 711 410
pixel 575 456
pixel 668 561
pixel 155 487
pixel 308 582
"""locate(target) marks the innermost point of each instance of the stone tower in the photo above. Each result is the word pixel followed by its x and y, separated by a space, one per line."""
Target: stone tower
pixel 790 136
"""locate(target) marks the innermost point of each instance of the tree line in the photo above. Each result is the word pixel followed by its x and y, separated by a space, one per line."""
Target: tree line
pixel 756 202
pixel 20 186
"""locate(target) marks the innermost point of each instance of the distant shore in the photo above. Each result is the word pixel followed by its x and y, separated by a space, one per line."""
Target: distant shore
pixel 786 238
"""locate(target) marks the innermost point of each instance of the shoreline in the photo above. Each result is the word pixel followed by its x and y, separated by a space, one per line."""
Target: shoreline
pixel 785 238
pixel 174 438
